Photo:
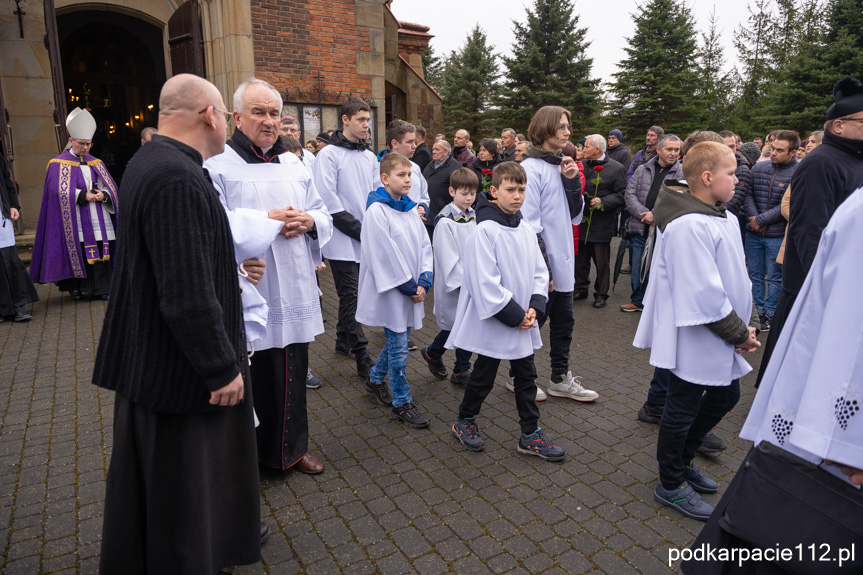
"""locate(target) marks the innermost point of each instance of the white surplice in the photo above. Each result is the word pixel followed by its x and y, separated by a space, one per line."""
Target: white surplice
pixel 698 276
pixel 344 179
pixel 811 395
pixel 395 249
pixel 449 240
pixel 500 264
pixel 546 209
pixel 289 285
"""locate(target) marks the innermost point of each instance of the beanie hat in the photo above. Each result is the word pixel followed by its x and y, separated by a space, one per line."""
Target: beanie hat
pixel 323 137
pixel 617 134
pixel 750 151
pixel 848 96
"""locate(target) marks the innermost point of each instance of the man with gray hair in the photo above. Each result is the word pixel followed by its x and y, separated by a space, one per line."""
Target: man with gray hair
pixel 257 172
pixel 641 193
pixel 507 143
pixel 597 227
pixel 648 151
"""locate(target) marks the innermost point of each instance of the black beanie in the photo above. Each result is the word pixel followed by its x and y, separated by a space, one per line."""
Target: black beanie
pixel 848 96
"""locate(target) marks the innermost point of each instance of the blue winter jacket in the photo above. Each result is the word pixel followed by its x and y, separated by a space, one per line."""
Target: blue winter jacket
pixel 769 182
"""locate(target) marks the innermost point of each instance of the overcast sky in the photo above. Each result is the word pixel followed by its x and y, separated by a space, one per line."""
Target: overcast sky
pixel 608 23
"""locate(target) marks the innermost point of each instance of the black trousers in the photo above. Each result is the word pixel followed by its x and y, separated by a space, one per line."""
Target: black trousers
pixel 601 255
pixel 279 385
pixel 482 381
pixel 558 312
pixel 346 276
pixel 691 410
pixel 98 280
pixel 783 310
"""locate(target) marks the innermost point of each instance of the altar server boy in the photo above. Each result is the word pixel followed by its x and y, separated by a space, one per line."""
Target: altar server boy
pixel 698 295
pixel 504 290
pixel 395 274
pixel 452 226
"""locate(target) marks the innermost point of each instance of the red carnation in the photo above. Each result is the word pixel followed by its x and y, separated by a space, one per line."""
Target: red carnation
pixel 598 168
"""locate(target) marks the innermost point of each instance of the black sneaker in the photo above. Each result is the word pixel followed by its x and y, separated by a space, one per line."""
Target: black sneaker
pixel 436 366
pixel 766 322
pixel 460 378
pixel 381 391
pixel 650 413
pixel 711 444
pixel 343 349
pixel 410 415
pixel 364 365
pixel 411 345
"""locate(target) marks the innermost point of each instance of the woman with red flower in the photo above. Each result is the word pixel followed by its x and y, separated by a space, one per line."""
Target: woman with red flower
pixel 486 159
pixel 606 184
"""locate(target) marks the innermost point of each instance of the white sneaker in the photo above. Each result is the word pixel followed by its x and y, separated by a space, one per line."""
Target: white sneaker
pixel 540 394
pixel 571 388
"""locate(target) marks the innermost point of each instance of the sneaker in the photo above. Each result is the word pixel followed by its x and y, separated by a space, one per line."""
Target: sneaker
pixel 571 388
pixel 765 323
pixel 461 378
pixel 411 345
pixel 650 413
pixel 540 394
pixel 538 444
pixel 685 500
pixel 343 349
pixel 436 366
pixel 312 382
pixel 364 365
pixel 630 307
pixel 699 482
pixel 381 391
pixel 22 316
pixel 410 415
pixel 711 444
pixel 468 433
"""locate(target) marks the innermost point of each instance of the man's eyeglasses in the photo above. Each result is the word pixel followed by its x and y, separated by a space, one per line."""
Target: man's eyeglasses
pixel 215 109
pixel 83 143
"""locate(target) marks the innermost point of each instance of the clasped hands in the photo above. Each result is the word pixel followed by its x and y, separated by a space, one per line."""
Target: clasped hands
pixel 529 320
pixel 296 222
pixel 95 196
pixel 750 344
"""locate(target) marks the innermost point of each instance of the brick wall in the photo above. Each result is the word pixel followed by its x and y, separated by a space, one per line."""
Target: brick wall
pixel 294 40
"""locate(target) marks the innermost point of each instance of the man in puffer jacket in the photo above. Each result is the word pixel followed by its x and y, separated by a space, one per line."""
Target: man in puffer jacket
pixel 766 226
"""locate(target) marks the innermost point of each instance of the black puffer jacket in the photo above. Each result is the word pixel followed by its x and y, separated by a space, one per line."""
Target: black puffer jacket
pixel 744 184
pixel 769 182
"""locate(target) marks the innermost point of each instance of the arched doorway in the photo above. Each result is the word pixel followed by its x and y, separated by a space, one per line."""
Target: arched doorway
pixel 114 65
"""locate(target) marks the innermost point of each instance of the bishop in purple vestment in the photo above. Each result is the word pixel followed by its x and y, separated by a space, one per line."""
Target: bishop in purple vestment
pixel 76 230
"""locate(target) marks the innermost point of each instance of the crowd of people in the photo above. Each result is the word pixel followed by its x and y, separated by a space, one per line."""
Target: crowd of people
pixel 209 254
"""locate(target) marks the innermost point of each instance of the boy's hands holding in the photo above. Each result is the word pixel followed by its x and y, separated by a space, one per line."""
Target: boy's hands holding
pixel 529 320
pixel 420 296
pixel 750 344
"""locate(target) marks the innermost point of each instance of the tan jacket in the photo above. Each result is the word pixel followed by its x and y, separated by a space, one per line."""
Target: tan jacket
pixel 786 213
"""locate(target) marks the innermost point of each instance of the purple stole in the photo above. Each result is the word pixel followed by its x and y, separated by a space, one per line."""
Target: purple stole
pixel 91 249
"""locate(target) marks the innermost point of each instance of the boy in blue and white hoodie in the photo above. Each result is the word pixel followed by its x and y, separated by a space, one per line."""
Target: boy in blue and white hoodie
pixel 395 275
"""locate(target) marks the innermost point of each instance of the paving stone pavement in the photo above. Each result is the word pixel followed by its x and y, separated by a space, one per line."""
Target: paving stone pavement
pixel 392 500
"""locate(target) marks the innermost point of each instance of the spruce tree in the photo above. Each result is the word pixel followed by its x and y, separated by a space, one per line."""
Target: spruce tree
pixel 658 80
pixel 432 67
pixel 715 88
pixel 468 86
pixel 548 66
pixel 753 53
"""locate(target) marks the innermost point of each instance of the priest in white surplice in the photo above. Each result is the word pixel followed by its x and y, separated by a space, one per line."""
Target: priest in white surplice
pixel 257 172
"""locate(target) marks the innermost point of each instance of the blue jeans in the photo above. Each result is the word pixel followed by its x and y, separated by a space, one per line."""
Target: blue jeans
pixel 764 273
pixel 393 359
pixel 636 249
pixel 437 349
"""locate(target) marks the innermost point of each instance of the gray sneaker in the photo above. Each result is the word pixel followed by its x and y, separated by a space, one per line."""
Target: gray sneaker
pixel 540 394
pixel 685 500
pixel 571 388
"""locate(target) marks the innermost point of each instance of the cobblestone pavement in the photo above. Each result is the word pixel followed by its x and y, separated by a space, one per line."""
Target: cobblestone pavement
pixel 392 500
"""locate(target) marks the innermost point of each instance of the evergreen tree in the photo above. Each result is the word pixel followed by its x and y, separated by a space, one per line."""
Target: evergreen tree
pixel 753 53
pixel 658 79
pixel 432 67
pixel 785 30
pixel 715 88
pixel 548 66
pixel 468 85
